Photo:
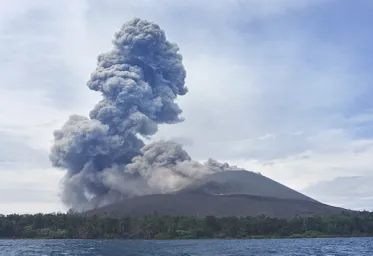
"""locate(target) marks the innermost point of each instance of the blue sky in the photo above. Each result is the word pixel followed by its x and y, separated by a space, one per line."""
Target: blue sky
pixel 277 86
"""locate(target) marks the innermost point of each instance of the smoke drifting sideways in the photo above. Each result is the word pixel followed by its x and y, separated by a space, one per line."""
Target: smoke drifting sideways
pixel 105 157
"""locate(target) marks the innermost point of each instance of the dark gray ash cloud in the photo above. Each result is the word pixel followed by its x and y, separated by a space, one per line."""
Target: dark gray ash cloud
pixel 105 158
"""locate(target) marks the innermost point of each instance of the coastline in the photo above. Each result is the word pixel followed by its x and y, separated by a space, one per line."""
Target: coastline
pixel 163 227
pixel 191 239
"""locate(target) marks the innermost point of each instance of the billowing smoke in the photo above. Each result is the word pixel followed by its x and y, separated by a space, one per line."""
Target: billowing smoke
pixel 105 158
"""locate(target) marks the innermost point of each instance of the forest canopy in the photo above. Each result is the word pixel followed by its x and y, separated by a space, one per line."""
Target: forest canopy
pixel 75 226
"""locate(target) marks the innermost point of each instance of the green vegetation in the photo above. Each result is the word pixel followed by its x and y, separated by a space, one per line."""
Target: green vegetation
pixel 74 226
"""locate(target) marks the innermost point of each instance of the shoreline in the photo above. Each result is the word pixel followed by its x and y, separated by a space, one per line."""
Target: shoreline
pixel 191 239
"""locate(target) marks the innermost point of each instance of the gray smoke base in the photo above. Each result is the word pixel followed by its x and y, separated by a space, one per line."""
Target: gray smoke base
pixel 105 158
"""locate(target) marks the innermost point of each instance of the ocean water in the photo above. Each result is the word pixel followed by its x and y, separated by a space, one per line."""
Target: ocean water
pixel 272 247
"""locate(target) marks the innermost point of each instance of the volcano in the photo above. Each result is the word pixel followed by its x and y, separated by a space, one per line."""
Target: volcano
pixel 226 193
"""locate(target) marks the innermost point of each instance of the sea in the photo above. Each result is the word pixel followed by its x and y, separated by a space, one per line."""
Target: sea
pixel 270 247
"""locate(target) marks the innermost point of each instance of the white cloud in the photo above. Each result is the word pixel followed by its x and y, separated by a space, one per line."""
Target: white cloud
pixel 31 207
pixel 29 190
pixel 352 192
pixel 326 159
pixel 37 82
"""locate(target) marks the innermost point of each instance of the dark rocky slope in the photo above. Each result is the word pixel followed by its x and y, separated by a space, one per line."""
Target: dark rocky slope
pixel 232 193
pixel 244 182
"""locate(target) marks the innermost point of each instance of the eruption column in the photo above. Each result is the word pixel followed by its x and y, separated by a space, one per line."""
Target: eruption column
pixel 105 158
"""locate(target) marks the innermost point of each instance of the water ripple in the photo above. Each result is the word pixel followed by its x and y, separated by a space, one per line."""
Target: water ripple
pixel 270 247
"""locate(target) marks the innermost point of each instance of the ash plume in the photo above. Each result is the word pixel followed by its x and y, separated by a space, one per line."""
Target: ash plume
pixel 105 158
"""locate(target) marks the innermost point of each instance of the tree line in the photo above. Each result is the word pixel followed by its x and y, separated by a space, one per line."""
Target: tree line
pixel 75 226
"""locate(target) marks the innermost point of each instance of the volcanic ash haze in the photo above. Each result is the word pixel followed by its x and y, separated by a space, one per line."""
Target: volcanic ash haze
pixel 105 158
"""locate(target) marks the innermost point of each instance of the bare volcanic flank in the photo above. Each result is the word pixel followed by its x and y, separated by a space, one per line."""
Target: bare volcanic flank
pixel 229 193
pixel 245 183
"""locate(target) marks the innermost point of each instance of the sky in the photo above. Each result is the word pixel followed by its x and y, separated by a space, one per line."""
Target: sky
pixel 281 87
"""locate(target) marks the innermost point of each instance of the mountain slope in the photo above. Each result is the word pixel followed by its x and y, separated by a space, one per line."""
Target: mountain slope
pixel 202 205
pixel 230 193
pixel 244 182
